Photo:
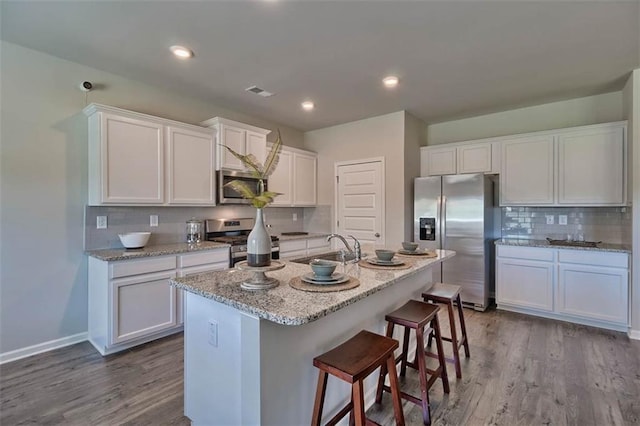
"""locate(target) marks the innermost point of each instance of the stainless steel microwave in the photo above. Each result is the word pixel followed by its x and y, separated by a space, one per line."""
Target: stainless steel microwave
pixel 226 194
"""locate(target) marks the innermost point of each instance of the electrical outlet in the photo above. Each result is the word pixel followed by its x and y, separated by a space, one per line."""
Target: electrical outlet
pixel 550 219
pixel 153 220
pixel 213 333
pixel 295 217
pixel 101 222
pixel 562 219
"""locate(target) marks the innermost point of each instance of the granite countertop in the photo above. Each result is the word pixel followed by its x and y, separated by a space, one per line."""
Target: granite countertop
pixel 288 306
pixel 544 243
pixel 301 237
pixel 155 250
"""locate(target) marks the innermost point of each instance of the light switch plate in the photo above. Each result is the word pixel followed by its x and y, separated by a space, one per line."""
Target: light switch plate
pixel 153 220
pixel 101 222
pixel 550 219
pixel 562 219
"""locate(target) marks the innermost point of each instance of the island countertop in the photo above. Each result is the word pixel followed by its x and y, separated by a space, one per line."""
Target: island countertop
pixel 288 306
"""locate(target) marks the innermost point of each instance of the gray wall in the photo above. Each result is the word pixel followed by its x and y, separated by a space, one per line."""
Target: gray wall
pixel 43 185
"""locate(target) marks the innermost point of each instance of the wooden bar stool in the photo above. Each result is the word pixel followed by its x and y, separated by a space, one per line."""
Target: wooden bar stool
pixel 416 315
pixel 447 294
pixel 352 362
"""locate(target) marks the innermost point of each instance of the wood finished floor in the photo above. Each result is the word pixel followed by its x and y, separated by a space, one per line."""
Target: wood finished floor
pixel 522 371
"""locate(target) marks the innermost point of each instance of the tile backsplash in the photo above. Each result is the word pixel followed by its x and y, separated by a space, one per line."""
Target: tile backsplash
pixel 606 224
pixel 172 221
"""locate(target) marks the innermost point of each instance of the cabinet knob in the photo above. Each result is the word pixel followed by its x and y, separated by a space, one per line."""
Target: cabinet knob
pixel 377 235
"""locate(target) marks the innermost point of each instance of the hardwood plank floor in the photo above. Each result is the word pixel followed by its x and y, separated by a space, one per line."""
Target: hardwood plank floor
pixel 522 371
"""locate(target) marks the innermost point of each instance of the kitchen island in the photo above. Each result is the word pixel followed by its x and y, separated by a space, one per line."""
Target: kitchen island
pixel 248 355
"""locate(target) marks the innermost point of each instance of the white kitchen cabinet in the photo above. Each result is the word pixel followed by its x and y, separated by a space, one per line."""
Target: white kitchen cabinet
pixel 456 158
pixel 295 178
pixel 138 159
pixel 591 166
pixel 242 138
pixel 593 286
pixel 527 171
pixel 291 249
pixel 126 159
pixel 525 282
pixel 582 286
pixel 131 301
pixel 190 166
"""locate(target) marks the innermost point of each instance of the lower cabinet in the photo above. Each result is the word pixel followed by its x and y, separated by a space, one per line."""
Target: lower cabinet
pixel 290 249
pixel 131 302
pixel 587 287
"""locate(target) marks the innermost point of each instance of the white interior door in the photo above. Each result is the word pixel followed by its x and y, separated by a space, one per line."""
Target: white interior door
pixel 360 200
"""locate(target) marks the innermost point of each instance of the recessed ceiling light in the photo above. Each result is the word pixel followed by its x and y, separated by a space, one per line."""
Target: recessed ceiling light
pixel 182 52
pixel 307 105
pixel 390 81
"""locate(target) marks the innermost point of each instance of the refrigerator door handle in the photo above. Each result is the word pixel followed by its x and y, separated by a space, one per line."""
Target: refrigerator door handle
pixel 443 223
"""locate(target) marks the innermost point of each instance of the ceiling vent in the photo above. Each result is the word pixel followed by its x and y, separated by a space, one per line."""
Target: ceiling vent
pixel 258 91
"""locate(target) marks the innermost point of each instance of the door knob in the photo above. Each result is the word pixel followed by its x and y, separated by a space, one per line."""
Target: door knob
pixel 377 235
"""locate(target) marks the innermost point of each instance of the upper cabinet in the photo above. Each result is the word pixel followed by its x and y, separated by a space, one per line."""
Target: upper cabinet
pixel 583 166
pixel 295 178
pixel 242 138
pixel 452 159
pixel 138 159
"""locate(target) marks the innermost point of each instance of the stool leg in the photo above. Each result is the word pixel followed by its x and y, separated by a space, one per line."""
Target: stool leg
pixel 405 353
pixel 319 402
pixel 454 340
pixel 358 403
pixel 383 369
pixel 422 371
pixel 435 324
pixel 395 390
pixel 463 327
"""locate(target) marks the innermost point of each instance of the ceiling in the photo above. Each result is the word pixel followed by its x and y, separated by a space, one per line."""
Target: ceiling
pixel 454 59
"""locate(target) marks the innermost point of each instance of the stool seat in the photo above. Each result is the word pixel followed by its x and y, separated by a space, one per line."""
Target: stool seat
pixel 353 361
pixel 443 291
pixel 413 314
pixel 357 357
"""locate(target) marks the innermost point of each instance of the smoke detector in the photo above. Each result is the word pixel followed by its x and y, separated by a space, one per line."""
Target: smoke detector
pixel 258 91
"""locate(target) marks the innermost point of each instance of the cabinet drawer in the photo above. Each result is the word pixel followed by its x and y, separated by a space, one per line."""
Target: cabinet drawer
pixel 318 243
pixel 295 245
pixel 529 253
pixel 125 268
pixel 585 257
pixel 203 258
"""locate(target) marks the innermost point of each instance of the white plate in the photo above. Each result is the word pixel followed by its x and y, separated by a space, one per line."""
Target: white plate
pixel 378 262
pixel 336 278
pixel 333 277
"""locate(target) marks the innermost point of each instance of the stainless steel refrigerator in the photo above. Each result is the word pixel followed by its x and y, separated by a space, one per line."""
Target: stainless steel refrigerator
pixel 456 212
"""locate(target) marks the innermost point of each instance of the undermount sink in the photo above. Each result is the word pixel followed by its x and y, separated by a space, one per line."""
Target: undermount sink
pixel 332 256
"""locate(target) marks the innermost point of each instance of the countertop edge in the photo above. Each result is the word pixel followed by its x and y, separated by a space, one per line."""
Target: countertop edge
pixel 111 255
pixel 606 247
pixel 302 237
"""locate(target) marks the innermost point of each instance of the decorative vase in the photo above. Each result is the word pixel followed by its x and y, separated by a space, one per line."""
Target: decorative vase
pixel 259 243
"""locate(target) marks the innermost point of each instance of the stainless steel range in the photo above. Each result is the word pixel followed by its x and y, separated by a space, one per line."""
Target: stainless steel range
pixel 234 232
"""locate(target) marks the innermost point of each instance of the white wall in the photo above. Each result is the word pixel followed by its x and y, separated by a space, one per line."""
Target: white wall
pixel 632 112
pixel 381 136
pixel 43 185
pixel 574 112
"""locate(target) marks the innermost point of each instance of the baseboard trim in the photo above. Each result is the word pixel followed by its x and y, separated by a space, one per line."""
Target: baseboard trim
pixel 42 347
pixel 634 334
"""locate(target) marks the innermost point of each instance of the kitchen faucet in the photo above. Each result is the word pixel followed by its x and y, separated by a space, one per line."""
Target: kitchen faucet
pixel 356 251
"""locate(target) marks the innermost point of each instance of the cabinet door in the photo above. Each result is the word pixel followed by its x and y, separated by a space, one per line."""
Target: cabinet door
pixel 441 161
pixel 527 171
pixel 141 306
pixel 593 292
pixel 200 269
pixel 235 139
pixel 293 248
pixel 318 245
pixel 256 144
pixel 304 179
pixel 131 161
pixel 282 180
pixel 525 283
pixel 190 167
pixel 591 167
pixel 474 158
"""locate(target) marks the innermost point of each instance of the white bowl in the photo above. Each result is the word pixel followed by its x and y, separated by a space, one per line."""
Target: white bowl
pixel 134 240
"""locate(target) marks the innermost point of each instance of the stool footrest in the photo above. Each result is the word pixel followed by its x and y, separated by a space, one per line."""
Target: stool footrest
pixel 405 395
pixel 345 410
